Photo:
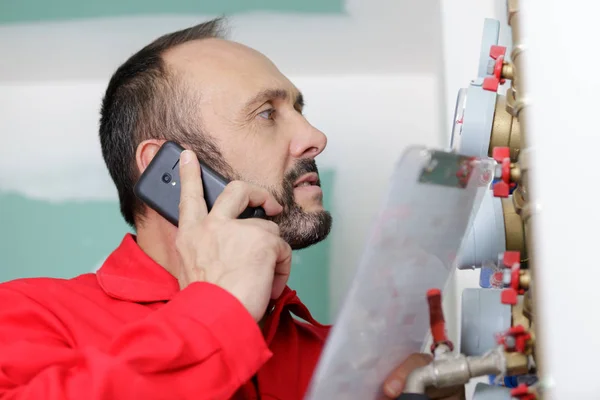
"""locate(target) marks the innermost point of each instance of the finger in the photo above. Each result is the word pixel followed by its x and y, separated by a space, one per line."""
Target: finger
pixel 192 206
pixel 238 195
pixel 394 384
pixel 283 268
pixel 268 226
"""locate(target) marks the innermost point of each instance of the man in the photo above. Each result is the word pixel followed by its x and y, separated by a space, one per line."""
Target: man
pixel 201 311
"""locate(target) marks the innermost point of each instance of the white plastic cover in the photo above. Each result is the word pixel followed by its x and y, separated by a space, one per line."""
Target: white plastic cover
pixel 411 248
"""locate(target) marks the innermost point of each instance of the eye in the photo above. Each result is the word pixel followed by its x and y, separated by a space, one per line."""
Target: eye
pixel 267 114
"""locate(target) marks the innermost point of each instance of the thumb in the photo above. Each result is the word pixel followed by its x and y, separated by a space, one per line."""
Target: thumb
pixel 283 268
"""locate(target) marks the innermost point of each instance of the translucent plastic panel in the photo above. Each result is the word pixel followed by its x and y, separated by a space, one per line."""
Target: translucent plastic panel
pixel 411 248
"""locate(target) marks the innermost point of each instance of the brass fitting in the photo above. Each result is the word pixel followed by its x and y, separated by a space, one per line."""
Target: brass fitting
pixel 518 198
pixel 515 173
pixel 524 279
pixel 506 131
pixel 533 347
pixel 528 305
pixel 513 227
pixel 510 100
pixel 516 363
pixel 507 70
pixel 527 314
pixel 521 315
pixel 518 315
pixel 512 9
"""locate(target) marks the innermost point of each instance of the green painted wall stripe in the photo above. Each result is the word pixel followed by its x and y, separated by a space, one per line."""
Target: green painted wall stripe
pixel 16 11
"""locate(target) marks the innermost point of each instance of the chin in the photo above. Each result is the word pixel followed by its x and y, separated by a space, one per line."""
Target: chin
pixel 306 227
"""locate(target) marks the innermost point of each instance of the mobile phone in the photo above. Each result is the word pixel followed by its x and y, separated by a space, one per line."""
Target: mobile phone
pixel 159 185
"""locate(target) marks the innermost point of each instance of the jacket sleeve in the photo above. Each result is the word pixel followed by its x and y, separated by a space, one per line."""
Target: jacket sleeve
pixel 181 351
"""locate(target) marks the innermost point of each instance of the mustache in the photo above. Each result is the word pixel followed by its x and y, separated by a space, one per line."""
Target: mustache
pixel 302 167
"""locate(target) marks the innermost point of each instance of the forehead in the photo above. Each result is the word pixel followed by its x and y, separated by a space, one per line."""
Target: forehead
pixel 225 71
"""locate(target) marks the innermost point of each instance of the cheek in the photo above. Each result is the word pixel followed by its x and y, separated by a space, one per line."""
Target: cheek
pixel 261 163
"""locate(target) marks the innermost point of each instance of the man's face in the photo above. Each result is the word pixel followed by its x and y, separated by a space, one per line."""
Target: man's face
pixel 254 114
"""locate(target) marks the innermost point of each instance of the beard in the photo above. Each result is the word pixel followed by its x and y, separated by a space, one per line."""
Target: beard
pixel 299 228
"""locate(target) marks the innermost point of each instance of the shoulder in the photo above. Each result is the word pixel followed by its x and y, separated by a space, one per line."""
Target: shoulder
pixel 47 289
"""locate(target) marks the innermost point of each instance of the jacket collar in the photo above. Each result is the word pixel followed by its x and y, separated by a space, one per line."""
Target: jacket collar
pixel 131 275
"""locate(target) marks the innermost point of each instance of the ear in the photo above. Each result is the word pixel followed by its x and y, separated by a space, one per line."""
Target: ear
pixel 146 151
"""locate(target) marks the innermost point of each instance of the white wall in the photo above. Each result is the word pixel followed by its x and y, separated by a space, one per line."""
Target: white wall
pixel 563 134
pixel 372 37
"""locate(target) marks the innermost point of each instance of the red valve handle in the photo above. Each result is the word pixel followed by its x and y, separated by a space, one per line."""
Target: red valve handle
pixel 502 156
pixel 515 279
pixel 512 261
pixel 497 51
pixel 519 336
pixel 436 319
pixel 436 316
pixel 510 258
pixel 506 171
pixel 509 297
pixel 491 83
pixel 498 70
pixel 521 392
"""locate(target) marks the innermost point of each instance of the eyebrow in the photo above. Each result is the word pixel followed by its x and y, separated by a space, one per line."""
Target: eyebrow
pixel 273 94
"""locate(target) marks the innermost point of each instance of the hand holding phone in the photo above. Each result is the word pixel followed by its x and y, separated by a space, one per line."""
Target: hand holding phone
pixel 159 187
pixel 248 258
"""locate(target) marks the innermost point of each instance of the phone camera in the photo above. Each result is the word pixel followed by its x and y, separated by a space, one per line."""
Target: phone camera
pixel 166 178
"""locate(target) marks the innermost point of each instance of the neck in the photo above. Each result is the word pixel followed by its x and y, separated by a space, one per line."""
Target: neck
pixel 156 237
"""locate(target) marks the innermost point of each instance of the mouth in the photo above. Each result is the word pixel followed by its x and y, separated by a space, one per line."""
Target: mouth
pixel 311 179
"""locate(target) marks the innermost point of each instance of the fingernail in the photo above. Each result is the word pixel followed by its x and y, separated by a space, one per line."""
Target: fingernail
pixel 393 388
pixel 186 156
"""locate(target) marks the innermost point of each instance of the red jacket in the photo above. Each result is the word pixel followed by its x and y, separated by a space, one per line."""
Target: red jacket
pixel 128 332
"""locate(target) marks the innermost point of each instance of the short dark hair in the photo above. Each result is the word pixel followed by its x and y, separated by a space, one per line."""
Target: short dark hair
pixel 143 101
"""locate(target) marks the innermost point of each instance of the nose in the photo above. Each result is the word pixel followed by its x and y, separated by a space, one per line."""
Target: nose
pixel 308 141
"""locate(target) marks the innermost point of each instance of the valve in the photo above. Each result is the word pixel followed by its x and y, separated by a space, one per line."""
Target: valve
pixel 513 278
pixel 499 70
pixel 515 339
pixel 516 279
pixel 510 258
pixel 506 183
pixel 523 392
pixel 437 322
